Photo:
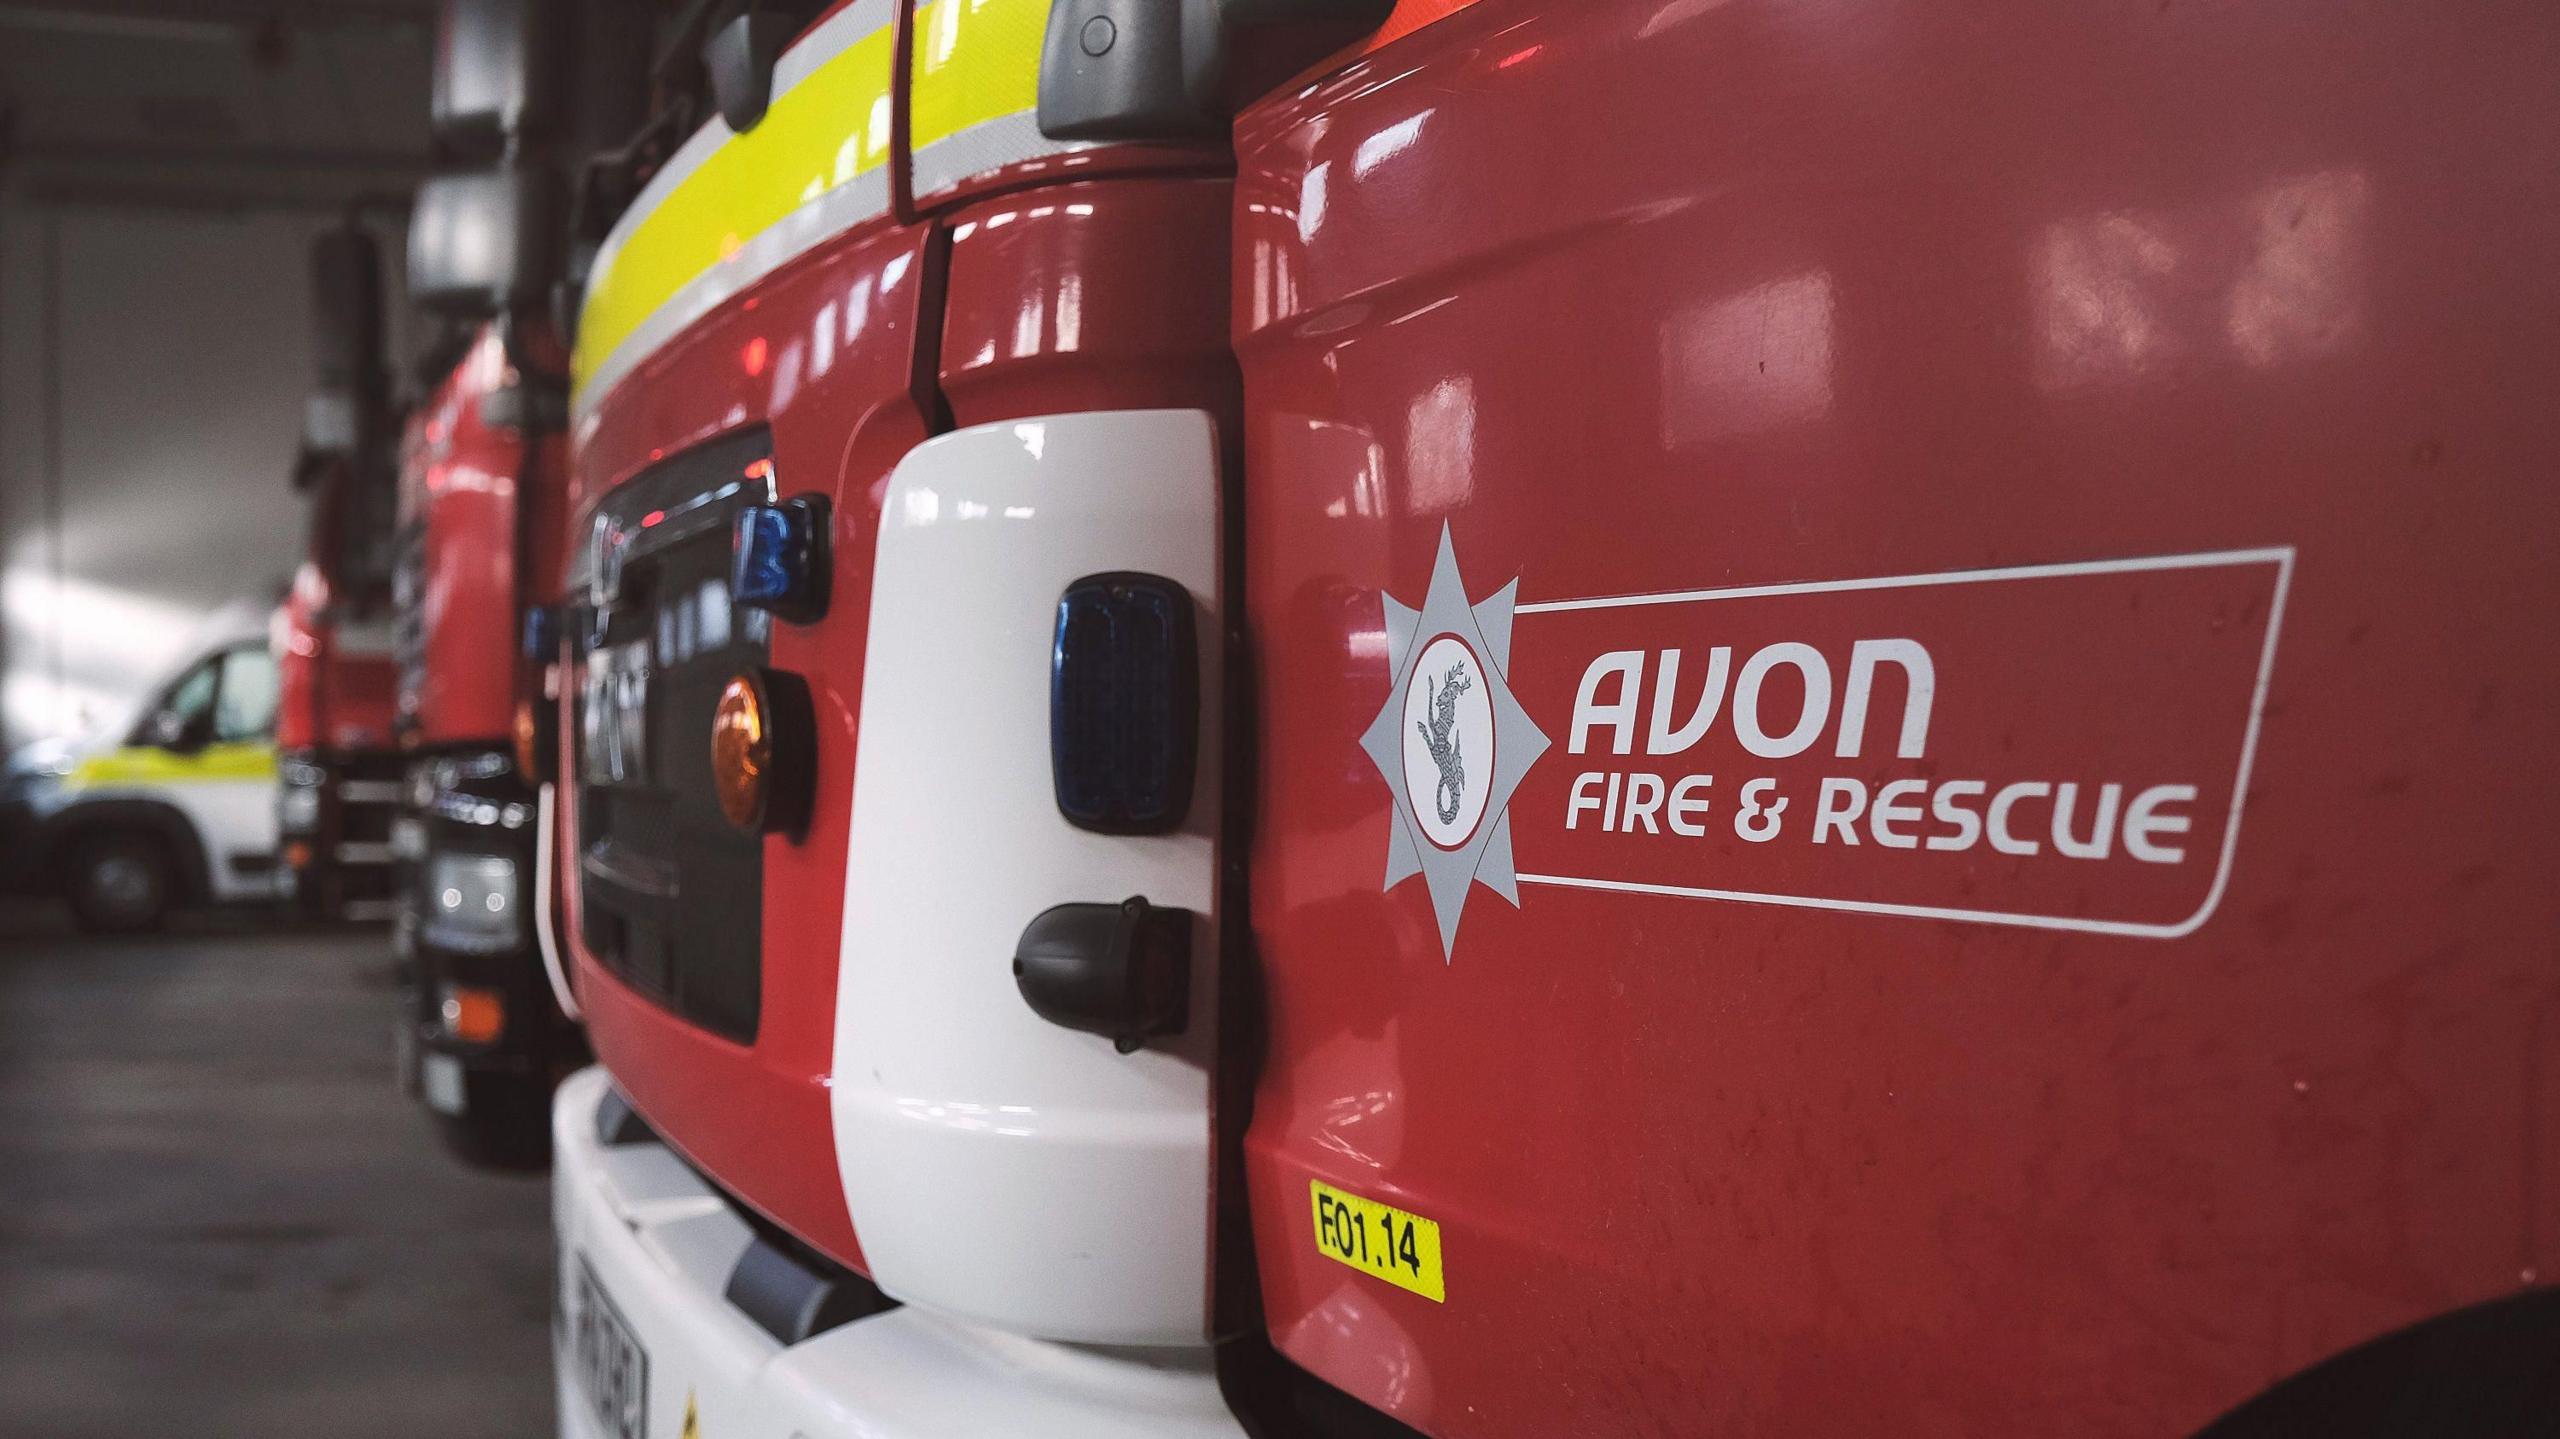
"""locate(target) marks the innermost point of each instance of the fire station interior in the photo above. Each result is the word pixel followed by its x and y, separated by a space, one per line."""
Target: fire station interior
pixel 1279 719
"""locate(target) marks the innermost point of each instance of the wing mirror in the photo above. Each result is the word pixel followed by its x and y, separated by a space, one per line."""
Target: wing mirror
pixel 481 244
pixel 182 734
pixel 740 57
pixel 496 73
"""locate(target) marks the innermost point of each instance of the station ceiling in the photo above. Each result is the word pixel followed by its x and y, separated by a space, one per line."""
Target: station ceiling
pixel 213 104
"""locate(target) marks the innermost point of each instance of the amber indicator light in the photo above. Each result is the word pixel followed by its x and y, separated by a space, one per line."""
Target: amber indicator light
pixel 474 1016
pixel 741 753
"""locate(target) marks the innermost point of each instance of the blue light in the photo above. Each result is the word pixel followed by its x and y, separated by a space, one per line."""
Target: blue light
pixel 777 558
pixel 541 634
pixel 1124 704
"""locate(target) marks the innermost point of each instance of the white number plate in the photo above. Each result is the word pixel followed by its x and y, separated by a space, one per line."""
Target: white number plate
pixel 613 1370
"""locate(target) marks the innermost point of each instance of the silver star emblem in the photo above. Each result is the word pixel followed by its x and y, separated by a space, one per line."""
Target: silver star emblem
pixel 1452 823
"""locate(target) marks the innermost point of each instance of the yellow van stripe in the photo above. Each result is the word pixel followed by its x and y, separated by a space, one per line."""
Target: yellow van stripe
pixel 975 61
pixel 821 133
pixel 145 767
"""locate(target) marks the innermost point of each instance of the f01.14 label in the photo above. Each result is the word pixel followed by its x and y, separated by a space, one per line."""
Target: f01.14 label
pixel 1379 1240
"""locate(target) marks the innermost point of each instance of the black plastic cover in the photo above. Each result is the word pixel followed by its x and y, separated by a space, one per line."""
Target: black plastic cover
pixel 346 296
pixel 1122 971
pixel 1178 69
pixel 792 1301
pixel 797 1302
pixel 739 57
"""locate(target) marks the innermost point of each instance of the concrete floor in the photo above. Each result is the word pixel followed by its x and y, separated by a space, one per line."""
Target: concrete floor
pixel 217 1217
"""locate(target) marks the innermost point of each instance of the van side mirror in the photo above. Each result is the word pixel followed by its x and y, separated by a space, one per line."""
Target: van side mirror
pixel 182 734
pixel 740 56
pixel 1124 70
pixel 495 75
pixel 481 244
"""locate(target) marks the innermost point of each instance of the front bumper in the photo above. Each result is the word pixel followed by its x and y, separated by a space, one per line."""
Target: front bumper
pixel 664 1245
pixel 466 884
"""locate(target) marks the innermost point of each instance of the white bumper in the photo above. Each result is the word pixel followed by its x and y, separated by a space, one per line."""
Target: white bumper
pixel 661 1243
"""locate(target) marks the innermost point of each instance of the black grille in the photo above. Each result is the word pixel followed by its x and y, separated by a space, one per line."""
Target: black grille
pixel 672 893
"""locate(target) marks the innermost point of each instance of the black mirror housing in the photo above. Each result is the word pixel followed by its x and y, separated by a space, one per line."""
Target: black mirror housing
pixel 346 293
pixel 740 56
pixel 1171 70
pixel 351 375
pixel 194 733
pixel 180 734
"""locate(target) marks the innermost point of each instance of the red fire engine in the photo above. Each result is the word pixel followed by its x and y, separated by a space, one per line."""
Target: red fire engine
pixel 1512 719
pixel 482 488
pixel 338 771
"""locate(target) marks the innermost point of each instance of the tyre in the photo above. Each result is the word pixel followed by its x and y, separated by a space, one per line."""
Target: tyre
pixel 119 883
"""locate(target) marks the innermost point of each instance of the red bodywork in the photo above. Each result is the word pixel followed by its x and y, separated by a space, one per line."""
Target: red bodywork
pixel 757 1115
pixel 1144 248
pixel 329 697
pixel 2171 379
pixel 475 557
pixel 1637 298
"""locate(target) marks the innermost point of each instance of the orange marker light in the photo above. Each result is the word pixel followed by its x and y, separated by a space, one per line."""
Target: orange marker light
pixel 741 753
pixel 533 752
pixel 474 1016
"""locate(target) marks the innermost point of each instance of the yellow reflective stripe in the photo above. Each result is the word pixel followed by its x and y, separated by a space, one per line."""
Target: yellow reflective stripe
pixel 815 136
pixel 975 61
pixel 145 767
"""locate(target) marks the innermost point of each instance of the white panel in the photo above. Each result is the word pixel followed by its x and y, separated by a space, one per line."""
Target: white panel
pixel 231 816
pixel 659 1242
pixel 999 1167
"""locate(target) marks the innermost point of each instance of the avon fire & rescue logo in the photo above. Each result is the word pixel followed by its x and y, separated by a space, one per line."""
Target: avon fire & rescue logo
pixel 1453 743
pixel 2059 746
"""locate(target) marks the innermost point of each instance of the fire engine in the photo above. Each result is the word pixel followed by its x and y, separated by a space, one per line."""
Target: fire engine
pixel 338 769
pixel 488 1020
pixel 1507 719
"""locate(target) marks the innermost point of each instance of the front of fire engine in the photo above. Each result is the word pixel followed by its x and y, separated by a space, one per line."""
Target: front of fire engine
pixel 483 1037
pixel 337 770
pixel 337 767
pixel 894 838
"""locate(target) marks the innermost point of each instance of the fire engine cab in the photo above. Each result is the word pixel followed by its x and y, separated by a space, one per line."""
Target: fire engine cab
pixel 487 1015
pixel 1328 717
pixel 338 770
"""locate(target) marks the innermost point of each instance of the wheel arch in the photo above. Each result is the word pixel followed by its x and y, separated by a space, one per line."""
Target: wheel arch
pixel 85 820
pixel 2485 1369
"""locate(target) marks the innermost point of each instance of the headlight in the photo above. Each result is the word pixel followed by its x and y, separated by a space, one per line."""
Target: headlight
pixel 298 810
pixel 470 903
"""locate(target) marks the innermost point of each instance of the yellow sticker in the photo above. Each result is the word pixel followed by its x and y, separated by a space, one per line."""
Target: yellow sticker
pixel 1379 1240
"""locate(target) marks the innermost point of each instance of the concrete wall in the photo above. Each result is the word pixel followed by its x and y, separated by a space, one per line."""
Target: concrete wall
pixel 184 358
